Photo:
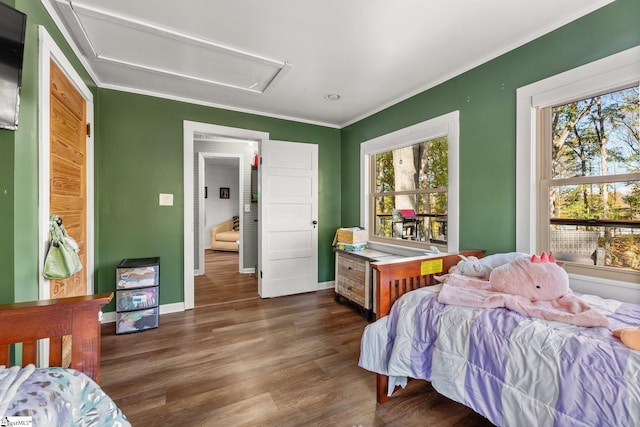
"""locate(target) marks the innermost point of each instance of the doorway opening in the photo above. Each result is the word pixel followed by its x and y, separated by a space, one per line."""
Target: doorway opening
pixel 220 184
pixel 222 283
pixel 233 200
pixel 225 141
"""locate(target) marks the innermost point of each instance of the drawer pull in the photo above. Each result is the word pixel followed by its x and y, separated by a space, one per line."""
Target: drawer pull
pixel 349 268
pixel 349 287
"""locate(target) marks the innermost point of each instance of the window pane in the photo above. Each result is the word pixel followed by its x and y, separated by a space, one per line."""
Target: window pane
pixel 596 224
pixel 434 173
pixel 596 136
pixel 434 224
pixel 420 166
pixel 434 203
pixel 384 173
pixel 427 222
pixel 420 172
pixel 604 201
pixel 617 247
pixel 384 207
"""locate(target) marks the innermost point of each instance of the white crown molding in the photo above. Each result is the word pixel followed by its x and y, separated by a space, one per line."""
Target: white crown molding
pixel 78 52
pixel 521 42
pixel 429 85
pixel 67 36
pixel 214 105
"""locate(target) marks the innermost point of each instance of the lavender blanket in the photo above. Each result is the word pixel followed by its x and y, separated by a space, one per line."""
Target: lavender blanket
pixel 514 370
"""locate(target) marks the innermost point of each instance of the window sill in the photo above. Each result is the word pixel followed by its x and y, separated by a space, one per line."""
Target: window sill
pixel 402 249
pixel 605 288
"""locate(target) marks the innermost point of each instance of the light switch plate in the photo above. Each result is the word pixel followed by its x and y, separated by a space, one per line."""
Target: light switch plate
pixel 166 199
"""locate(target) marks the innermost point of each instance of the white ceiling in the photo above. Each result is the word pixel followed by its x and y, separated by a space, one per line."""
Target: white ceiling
pixel 282 57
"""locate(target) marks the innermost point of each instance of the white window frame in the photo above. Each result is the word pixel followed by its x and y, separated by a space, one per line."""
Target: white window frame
pixel 605 75
pixel 446 125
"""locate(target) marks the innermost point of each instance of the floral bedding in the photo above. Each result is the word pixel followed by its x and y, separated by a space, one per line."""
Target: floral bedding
pixel 56 397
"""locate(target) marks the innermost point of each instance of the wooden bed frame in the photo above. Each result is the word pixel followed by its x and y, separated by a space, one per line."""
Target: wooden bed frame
pixel 78 317
pixel 393 279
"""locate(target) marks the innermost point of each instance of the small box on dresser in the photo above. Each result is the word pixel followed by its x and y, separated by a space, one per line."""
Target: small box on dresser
pixel 351 235
pixel 137 294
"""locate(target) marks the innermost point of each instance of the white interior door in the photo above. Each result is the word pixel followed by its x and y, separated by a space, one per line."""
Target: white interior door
pixel 287 218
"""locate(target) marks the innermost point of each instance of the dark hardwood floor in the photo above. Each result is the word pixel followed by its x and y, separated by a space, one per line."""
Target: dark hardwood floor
pixel 239 360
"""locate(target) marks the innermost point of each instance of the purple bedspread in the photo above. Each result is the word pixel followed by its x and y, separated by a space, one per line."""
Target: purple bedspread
pixel 514 370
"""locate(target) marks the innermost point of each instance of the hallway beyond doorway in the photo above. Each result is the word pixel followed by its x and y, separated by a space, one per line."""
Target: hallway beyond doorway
pixel 222 282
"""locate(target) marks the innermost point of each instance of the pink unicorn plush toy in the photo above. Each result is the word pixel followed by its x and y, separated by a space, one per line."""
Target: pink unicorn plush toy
pixel 537 279
pixel 534 286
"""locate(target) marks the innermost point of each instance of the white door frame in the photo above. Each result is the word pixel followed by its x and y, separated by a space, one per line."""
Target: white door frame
pixel 201 180
pixel 189 128
pixel 49 50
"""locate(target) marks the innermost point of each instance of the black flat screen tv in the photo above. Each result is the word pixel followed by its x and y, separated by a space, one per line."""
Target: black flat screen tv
pixel 12 30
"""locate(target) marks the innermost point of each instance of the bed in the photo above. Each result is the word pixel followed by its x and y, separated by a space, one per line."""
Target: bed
pixel 511 369
pixel 55 395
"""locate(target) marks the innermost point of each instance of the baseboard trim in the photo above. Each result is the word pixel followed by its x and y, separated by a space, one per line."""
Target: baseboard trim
pixel 110 317
pixel 326 285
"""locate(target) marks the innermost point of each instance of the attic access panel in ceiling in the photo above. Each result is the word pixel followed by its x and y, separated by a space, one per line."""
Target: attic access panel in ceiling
pixel 129 43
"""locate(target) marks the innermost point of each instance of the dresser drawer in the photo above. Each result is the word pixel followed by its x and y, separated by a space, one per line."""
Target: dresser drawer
pixel 352 279
pixel 352 289
pixel 352 268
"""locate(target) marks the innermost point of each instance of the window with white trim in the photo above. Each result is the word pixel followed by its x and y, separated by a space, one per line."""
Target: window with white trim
pixel 410 191
pixel 578 171
pixel 589 182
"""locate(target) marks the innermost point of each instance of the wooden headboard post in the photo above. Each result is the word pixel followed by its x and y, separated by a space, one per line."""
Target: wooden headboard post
pixel 395 278
pixel 28 322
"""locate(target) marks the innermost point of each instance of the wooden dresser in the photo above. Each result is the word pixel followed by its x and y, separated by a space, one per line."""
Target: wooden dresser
pixel 356 277
pixel 353 276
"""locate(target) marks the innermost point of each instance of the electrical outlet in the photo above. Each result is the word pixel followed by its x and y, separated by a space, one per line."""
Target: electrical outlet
pixel 247 207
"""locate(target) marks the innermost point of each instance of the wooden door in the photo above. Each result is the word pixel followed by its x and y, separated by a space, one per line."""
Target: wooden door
pixel 288 253
pixel 68 153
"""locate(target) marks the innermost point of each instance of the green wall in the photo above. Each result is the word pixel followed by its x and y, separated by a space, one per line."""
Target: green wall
pixel 486 99
pixel 139 154
pixel 6 216
pixel 7 150
pixel 19 166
